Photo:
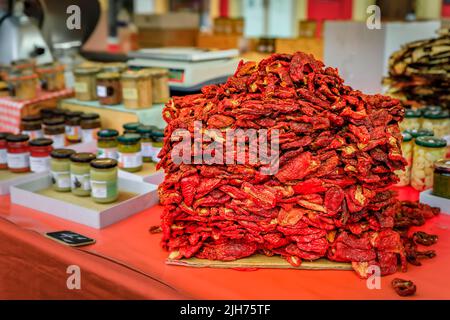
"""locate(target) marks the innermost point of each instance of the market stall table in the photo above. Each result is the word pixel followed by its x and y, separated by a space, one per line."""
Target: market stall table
pixel 128 262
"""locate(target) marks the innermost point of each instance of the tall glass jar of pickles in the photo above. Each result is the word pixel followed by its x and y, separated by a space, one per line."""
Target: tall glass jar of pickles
pixel 420 133
pixel 427 150
pixel 407 151
pixel 107 144
pixel 411 121
pixel 438 121
pixel 80 168
pixel 60 169
pixel 130 156
pixel 104 180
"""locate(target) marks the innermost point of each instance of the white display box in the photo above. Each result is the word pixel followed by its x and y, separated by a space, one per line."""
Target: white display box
pixel 428 198
pixel 8 179
pixel 37 194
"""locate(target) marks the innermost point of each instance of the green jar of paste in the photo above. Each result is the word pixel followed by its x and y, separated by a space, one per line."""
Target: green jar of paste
pixel 107 144
pixel 104 186
pixel 441 179
pixel 130 156
pixel 60 169
pixel 80 173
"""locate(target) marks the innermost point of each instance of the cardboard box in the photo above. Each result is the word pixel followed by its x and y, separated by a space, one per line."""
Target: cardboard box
pixel 38 194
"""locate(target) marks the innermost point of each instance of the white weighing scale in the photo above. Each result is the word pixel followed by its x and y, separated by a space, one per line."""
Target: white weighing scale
pixel 189 68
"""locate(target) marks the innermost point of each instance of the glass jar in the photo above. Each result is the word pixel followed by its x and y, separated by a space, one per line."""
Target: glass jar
pixel 23 65
pixel 46 113
pixel 104 180
pixel 130 156
pixel 72 126
pixel 411 121
pixel 407 147
pixel 107 144
pixel 40 150
pixel 85 83
pixel 55 129
pixel 160 84
pixel 146 142
pixel 158 141
pixel 60 169
pixel 51 76
pixel 32 126
pixel 90 125
pixel 4 89
pixel 427 150
pixel 80 182
pixel 18 153
pixel 23 86
pixel 109 90
pixel 441 184
pixel 136 89
pixel 130 127
pixel 420 133
pixel 3 150
pixel 438 121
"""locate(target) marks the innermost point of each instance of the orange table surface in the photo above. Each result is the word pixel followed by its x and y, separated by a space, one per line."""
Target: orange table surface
pixel 127 262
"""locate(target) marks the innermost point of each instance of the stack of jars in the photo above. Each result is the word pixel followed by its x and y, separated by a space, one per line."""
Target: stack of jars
pixel 84 175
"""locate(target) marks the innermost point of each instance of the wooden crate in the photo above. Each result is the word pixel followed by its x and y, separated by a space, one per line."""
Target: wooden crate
pixel 308 45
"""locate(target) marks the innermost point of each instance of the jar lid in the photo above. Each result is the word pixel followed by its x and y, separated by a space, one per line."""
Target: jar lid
pixel 17 138
pixel 108 75
pixel 134 74
pixel 3 135
pixel 129 138
pixel 90 116
pixel 432 108
pixel 73 114
pixel 131 126
pixel 46 112
pixel 420 133
pixel 410 113
pixel 62 153
pixel 23 77
pixel 32 118
pixel 436 114
pixel 431 142
pixel 443 165
pixel 82 157
pixel 107 133
pixel 145 129
pixel 104 163
pixel 54 121
pixel 86 70
pixel 41 142
pixel 50 68
pixel 406 137
pixel 156 71
pixel 156 132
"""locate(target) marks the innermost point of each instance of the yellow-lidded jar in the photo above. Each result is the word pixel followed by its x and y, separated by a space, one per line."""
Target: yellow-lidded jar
pixel 136 89
pixel 160 84
pixel 80 169
pixel 130 156
pixel 60 169
pixel 427 150
pixel 24 86
pixel 438 121
pixel 407 151
pixel 85 83
pixel 107 144
pixel 104 180
pixel 411 121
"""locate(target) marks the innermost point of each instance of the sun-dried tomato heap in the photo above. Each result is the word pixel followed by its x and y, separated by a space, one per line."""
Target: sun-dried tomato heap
pixel 339 149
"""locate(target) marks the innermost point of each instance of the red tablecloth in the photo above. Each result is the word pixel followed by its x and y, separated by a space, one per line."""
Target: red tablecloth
pixel 127 262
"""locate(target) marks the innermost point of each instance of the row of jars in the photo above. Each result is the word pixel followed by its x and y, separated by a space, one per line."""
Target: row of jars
pixel 422 151
pixel 134 88
pixel 62 126
pixel 84 175
pixel 431 118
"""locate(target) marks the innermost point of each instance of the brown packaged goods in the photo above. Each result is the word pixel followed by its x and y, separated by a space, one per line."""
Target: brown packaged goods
pixel 85 83
pixel 160 84
pixel 109 90
pixel 137 89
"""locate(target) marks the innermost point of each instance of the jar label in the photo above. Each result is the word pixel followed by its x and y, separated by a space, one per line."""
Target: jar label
pixel 155 154
pixel 89 135
pixel 59 140
pixel 147 149
pixel 102 91
pixel 80 181
pixel 35 134
pixel 40 164
pixel 3 156
pixel 18 160
pixel 107 153
pixel 104 189
pixel 130 93
pixel 61 179
pixel 73 132
pixel 130 160
pixel 81 87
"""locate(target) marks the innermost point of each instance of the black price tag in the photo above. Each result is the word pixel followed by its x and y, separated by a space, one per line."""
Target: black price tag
pixel 70 238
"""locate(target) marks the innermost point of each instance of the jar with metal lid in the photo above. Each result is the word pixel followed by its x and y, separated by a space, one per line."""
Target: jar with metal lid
pixel 136 89
pixel 55 129
pixel 18 153
pixel 72 126
pixel 51 76
pixel 427 150
pixel 46 113
pixel 40 150
pixel 90 125
pixel 131 127
pixel 158 141
pixel 86 83
pixel 407 147
pixel 441 179
pixel 130 156
pixel 109 90
pixel 80 181
pixel 3 150
pixel 114 67
pixel 146 142
pixel 32 126
pixel 23 86
pixel 107 144
pixel 104 180
pixel 420 133
pixel 438 121
pixel 60 169
pixel 4 89
pixel 411 121
pixel 23 65
pixel 160 84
